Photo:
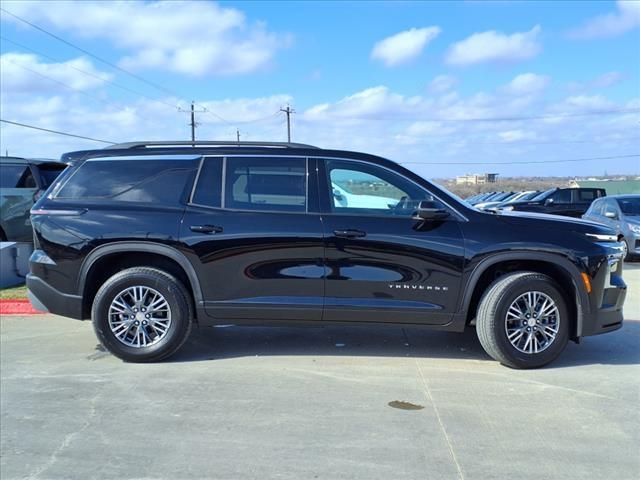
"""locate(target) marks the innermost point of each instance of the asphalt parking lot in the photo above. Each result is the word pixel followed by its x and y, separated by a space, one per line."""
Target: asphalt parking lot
pixel 306 403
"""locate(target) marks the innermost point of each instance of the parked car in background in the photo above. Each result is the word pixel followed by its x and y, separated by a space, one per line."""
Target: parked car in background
pixel 622 213
pixel 521 197
pixel 513 197
pixel 570 202
pixel 22 182
pixel 152 238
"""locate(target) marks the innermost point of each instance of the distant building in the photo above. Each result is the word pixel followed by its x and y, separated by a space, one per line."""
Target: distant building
pixel 613 187
pixel 477 178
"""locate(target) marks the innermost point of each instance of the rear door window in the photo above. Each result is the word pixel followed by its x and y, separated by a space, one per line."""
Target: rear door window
pixel 266 183
pixel 156 181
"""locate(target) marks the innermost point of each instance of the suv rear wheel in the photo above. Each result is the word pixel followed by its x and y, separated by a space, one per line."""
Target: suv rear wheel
pixel 523 320
pixel 142 314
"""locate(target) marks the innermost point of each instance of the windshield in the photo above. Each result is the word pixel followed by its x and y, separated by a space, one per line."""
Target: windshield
pixel 543 195
pixel 629 206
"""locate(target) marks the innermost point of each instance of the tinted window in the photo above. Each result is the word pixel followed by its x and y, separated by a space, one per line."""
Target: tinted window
pixel 586 195
pixel 209 188
pixel 152 181
pixel 49 173
pixel 16 176
pixel 266 184
pixel 364 188
pixel 629 206
pixel 562 196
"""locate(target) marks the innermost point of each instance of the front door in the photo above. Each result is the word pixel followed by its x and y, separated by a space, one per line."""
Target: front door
pixel 255 238
pixel 382 265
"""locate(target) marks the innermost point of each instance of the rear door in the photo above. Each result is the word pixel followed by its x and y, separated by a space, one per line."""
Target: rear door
pixel 382 265
pixel 254 234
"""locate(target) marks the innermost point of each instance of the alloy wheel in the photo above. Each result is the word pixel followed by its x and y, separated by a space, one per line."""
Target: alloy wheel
pixel 532 322
pixel 139 316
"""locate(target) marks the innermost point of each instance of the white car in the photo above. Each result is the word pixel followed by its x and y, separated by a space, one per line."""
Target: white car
pixel 344 199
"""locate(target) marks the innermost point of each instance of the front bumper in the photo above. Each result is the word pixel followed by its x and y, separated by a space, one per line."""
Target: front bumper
pixel 606 299
pixel 44 297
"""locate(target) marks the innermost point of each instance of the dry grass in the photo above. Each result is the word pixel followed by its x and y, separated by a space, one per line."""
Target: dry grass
pixel 13 293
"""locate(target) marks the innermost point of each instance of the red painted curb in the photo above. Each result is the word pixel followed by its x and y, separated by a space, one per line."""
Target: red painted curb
pixel 18 307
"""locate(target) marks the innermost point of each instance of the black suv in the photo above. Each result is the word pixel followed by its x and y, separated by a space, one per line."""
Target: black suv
pixel 148 239
pixel 570 202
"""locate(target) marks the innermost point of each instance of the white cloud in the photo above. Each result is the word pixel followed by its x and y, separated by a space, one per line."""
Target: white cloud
pixel 194 38
pixel 442 83
pixel 495 47
pixel 627 17
pixel 23 72
pixel 606 79
pixel 378 120
pixel 403 47
pixel 516 135
pixel 526 84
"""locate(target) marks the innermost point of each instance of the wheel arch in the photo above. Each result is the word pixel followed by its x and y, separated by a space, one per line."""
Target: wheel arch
pixel 559 267
pixel 115 256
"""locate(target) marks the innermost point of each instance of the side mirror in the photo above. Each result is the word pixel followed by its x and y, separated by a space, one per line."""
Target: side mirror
pixel 336 194
pixel 611 215
pixel 548 201
pixel 430 210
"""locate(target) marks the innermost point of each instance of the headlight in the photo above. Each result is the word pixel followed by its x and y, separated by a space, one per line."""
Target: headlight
pixel 634 228
pixel 507 209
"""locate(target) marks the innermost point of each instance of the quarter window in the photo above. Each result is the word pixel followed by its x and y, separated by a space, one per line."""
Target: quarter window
pixel 266 183
pixel 364 188
pixel 156 181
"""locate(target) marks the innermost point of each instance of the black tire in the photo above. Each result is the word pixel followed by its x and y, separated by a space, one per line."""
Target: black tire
pixel 629 257
pixel 492 314
pixel 166 285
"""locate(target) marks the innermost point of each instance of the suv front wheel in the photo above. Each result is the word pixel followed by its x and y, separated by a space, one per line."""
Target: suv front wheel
pixel 523 320
pixel 142 314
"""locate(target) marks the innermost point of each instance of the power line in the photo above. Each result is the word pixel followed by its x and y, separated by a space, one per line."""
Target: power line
pixel 130 90
pixel 86 52
pixel 56 132
pixel 107 62
pixel 102 100
pixel 526 162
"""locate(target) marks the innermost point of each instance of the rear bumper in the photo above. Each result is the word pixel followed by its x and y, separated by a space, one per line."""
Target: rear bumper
pixel 44 297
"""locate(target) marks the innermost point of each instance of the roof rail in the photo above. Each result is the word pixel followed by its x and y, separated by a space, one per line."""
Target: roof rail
pixel 207 143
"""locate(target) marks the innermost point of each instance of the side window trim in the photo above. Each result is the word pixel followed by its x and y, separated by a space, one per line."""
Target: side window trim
pixel 325 198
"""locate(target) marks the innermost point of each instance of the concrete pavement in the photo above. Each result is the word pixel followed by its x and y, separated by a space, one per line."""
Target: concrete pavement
pixel 305 403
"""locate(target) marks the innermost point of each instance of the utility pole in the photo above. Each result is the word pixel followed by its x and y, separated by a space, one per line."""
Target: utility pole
pixel 238 135
pixel 288 111
pixel 193 124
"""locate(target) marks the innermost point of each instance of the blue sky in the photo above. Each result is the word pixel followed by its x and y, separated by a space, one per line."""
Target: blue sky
pixel 418 82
